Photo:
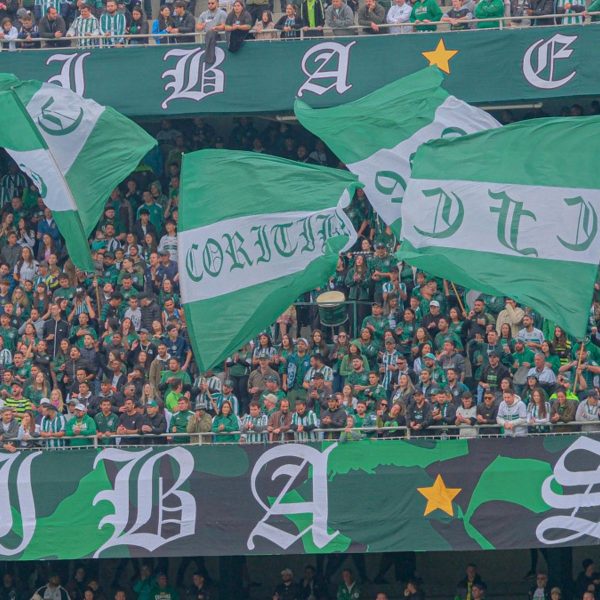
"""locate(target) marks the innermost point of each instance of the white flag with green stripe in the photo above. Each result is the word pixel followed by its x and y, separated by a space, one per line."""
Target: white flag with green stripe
pixel 507 212
pixel 377 135
pixel 20 137
pixel 255 232
pixel 93 146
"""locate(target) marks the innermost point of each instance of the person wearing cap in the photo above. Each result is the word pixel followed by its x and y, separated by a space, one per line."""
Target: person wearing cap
pixel 200 422
pixel 318 366
pixel 491 375
pixel 81 425
pixel 438 376
pixel 431 319
pixel 587 412
pixel 272 388
pixel 254 424
pixel 153 424
pixel 52 428
pixel 258 377
pixel 107 421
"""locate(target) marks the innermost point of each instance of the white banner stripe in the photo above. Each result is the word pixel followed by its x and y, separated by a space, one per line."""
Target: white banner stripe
pixel 386 172
pixel 514 220
pixel 238 253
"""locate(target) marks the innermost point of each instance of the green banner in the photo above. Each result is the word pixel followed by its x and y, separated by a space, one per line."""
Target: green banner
pixel 482 66
pixel 366 496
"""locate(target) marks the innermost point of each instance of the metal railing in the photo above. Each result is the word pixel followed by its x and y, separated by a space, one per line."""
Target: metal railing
pixel 383 433
pixel 101 41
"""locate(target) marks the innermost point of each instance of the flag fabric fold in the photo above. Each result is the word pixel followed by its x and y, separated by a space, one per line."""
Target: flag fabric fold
pixel 377 135
pixel 21 139
pixel 255 232
pixel 93 146
pixel 507 212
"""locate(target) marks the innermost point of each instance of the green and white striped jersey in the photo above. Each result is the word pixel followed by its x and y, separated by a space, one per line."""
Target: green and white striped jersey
pixel 84 27
pixel 54 426
pixel 571 17
pixel 308 419
pixel 114 24
pixel 259 426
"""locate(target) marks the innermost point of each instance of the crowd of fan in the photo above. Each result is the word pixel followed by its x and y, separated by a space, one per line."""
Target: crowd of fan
pixel 106 354
pixel 108 22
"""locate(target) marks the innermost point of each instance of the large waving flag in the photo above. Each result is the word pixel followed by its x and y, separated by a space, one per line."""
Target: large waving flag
pixel 255 232
pixel 377 135
pixel 94 147
pixel 22 141
pixel 509 212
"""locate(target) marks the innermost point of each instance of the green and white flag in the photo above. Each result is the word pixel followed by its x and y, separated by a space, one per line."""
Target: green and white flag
pixel 93 146
pixel 20 137
pixel 508 212
pixel 377 135
pixel 255 232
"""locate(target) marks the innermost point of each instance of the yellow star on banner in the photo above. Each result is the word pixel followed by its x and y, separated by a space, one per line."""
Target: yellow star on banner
pixel 440 57
pixel 439 496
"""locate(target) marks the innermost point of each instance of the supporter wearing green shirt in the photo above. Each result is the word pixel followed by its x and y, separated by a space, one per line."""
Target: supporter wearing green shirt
pixel 358 379
pixel 376 323
pixel 162 590
pixel 153 209
pixel 522 356
pixel 348 589
pixel 224 423
pixel 17 402
pixel 8 333
pixel 81 424
pixel 487 9
pixel 179 420
pixel 425 11
pixel 106 422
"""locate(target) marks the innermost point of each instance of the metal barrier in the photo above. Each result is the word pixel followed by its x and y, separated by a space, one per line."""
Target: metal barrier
pixel 198 37
pixel 433 432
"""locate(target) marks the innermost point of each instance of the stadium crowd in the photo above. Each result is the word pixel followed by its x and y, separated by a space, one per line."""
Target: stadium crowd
pixel 108 23
pixel 107 354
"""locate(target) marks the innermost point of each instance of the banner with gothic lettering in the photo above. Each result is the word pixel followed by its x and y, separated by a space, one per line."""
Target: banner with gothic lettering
pixel 161 80
pixel 366 496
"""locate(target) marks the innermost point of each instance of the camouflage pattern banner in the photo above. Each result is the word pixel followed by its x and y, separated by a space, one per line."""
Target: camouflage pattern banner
pixel 537 63
pixel 367 496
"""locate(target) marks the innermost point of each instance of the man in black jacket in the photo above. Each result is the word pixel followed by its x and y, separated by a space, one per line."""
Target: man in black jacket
pixel 154 423
pixel 56 329
pixel 183 22
pixel 52 29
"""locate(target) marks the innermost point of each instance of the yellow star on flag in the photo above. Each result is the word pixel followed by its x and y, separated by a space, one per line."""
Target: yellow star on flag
pixel 439 496
pixel 440 57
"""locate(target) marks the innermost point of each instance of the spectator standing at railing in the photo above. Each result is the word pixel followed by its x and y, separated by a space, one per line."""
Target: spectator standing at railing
pixel 106 421
pixel 588 411
pixel 339 17
pixel 563 410
pixel 512 415
pixel 371 15
pixel 224 423
pixel 398 13
pixel 29 34
pixel 85 26
pixel 261 28
pixel 426 13
pixel 418 415
pixel 180 419
pixel 254 425
pixel 538 412
pixel 457 16
pixel 182 22
pixel 138 26
pixel 81 425
pixel 443 411
pixel 304 422
pixel 112 25
pixel 466 417
pixel 9 427
pixel 539 8
pixel 53 428
pixel 8 34
pixel 334 417
pixel 290 23
pixel 237 25
pixel 154 423
pixel 312 12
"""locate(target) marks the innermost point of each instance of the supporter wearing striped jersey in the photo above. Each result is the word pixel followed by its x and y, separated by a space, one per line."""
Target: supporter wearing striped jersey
pixel 16 401
pixel 85 25
pixel 304 422
pixel 254 425
pixel 53 428
pixel 112 25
